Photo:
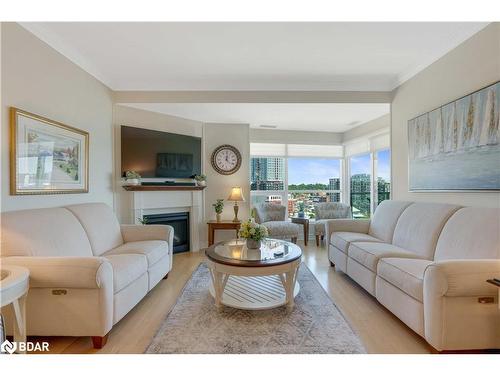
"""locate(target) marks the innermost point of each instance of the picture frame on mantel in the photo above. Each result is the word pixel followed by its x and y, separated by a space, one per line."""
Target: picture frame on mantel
pixel 456 147
pixel 46 156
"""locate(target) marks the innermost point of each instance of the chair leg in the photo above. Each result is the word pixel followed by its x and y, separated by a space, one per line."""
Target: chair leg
pixel 332 264
pixel 294 239
pixel 317 240
pixel 99 341
pixel 322 237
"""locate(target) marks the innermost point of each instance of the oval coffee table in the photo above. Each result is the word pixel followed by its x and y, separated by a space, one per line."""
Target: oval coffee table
pixel 254 279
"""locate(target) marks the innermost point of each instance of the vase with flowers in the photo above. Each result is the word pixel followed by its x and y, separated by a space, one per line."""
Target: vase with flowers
pixel 253 232
pixel 218 207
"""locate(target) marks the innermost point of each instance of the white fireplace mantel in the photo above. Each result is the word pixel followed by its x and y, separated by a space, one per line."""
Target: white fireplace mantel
pixel 151 202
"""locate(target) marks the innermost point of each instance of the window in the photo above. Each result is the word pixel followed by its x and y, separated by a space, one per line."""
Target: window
pixel 295 175
pixel 311 181
pixel 267 180
pixel 383 173
pixel 361 167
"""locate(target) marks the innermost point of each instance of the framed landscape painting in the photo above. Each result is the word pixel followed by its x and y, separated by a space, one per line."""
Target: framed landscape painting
pixel 457 146
pixel 47 157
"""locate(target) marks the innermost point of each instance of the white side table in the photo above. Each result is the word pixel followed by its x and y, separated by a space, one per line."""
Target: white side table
pixel 14 285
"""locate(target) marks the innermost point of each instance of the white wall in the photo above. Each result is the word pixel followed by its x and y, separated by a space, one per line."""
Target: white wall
pixel 38 79
pixel 471 66
pixel 364 130
pixel 219 186
pixel 139 118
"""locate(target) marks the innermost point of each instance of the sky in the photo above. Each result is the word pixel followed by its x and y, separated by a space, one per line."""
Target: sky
pixel 311 171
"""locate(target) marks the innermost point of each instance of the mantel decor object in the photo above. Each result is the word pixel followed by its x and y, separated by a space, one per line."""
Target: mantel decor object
pixel 236 196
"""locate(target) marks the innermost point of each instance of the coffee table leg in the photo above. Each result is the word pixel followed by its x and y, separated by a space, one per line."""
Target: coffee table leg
pixel 289 287
pixel 218 287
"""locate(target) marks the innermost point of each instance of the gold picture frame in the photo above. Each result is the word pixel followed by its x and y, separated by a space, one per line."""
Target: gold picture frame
pixel 46 156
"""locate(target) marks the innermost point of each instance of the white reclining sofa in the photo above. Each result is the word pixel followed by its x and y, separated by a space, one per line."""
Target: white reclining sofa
pixel 428 264
pixel 86 270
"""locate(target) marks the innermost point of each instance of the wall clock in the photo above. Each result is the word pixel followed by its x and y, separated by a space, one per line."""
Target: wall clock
pixel 226 159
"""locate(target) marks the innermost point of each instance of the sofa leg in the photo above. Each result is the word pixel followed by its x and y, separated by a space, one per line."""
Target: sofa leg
pixel 165 277
pixel 99 341
pixel 322 237
pixel 317 240
pixel 332 264
pixel 294 239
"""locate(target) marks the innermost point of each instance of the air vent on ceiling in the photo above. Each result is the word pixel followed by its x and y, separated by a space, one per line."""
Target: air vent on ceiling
pixel 268 126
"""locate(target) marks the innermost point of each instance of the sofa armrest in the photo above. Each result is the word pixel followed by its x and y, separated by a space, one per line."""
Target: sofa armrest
pixel 461 277
pixel 132 233
pixel 65 272
pixel 346 225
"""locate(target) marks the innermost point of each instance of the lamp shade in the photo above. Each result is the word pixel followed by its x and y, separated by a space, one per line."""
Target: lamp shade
pixel 236 195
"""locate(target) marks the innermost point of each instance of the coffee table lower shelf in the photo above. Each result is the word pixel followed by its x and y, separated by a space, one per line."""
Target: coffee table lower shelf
pixel 254 292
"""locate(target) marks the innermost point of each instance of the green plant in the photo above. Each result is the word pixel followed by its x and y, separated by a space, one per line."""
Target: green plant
pixel 250 229
pixel 301 206
pixel 130 175
pixel 200 177
pixel 219 206
pixel 143 221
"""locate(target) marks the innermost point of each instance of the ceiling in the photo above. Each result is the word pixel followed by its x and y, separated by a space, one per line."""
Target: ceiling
pixel 310 117
pixel 253 56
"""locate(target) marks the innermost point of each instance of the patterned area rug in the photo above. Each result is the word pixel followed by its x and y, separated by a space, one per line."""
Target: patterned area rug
pixel 195 325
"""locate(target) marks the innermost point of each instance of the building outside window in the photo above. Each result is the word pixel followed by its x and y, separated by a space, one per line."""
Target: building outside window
pixel 360 185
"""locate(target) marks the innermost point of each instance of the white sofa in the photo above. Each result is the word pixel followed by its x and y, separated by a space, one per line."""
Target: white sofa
pixel 86 270
pixel 428 264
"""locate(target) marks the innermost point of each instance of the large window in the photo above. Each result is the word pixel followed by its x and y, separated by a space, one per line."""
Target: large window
pixel 311 181
pixel 296 176
pixel 360 167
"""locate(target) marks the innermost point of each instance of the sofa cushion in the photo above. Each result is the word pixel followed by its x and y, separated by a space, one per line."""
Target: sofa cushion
pixel 419 226
pixel 101 225
pixel 385 218
pixel 126 269
pixel 470 233
pixel 369 253
pixel 405 274
pixel 282 228
pixel 342 240
pixel 153 250
pixel 47 232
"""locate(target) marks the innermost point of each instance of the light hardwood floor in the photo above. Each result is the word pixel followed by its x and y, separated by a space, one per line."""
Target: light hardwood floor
pixel 380 331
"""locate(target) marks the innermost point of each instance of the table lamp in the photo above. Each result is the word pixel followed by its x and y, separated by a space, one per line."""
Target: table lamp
pixel 236 196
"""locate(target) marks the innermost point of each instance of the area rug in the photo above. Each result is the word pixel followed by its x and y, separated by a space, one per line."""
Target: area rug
pixel 195 326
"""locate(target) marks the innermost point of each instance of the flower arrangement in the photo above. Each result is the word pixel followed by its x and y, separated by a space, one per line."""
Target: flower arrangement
pixel 132 178
pixel 218 206
pixel 253 232
pixel 201 179
pixel 132 175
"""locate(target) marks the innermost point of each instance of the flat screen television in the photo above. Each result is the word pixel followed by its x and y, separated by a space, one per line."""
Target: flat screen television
pixel 157 154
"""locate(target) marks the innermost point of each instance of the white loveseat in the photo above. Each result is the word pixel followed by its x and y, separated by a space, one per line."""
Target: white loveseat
pixel 428 264
pixel 86 270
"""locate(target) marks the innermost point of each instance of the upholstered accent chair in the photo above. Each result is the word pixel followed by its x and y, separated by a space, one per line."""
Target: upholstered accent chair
pixel 273 217
pixel 327 211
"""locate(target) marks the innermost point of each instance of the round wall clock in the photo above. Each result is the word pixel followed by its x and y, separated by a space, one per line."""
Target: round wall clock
pixel 226 159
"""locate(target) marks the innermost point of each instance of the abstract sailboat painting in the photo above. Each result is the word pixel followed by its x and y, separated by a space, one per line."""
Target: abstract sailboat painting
pixel 457 146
